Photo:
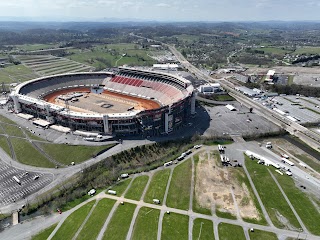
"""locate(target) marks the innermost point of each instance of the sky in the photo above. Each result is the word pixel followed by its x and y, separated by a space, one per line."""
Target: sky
pixel 161 10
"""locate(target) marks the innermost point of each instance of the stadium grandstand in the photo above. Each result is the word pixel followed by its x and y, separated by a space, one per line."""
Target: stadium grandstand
pixel 125 102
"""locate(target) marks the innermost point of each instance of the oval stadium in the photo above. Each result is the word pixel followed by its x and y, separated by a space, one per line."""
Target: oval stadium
pixel 125 102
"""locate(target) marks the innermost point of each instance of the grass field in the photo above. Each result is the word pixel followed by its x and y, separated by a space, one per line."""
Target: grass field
pixel 175 226
pixel 179 191
pixel 32 156
pixel 230 232
pixel 74 203
pixel 68 153
pixel 304 157
pixel 274 50
pixel 195 205
pixel 13 130
pixel 16 73
pixel 4 145
pixel 243 180
pixel 307 50
pixel 95 222
pixel 225 214
pixel 157 186
pixel 45 233
pixel 301 203
pixel 120 222
pixel 270 194
pixel 262 235
pixel 112 54
pixel 6 120
pixel 137 187
pixel 202 229
pixel 71 225
pixel 146 225
pixel 120 187
pixel 34 47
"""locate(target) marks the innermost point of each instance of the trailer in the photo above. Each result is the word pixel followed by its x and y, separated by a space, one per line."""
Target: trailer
pixel 124 175
pixel 167 164
pixel 17 179
pixel 284 160
pixel 112 192
pixel 156 201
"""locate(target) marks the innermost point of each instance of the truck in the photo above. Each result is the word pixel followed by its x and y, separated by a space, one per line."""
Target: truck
pixel 92 192
pixel 17 179
pixel 284 156
pixel 221 149
pixel 269 145
pixel 284 160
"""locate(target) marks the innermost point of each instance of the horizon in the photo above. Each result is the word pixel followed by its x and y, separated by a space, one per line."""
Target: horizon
pixel 163 11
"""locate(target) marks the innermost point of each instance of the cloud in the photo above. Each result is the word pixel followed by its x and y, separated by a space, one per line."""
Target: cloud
pixel 164 5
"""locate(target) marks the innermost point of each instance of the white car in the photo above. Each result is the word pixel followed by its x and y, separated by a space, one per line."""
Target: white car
pixel 92 192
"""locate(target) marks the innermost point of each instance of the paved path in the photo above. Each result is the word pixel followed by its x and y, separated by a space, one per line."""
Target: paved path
pixel 192 186
pixel 85 221
pixel 134 217
pixel 246 233
pixel 264 211
pixel 147 186
pixel 167 188
pixel 215 231
pixel 289 203
pixel 162 212
pixel 235 204
pixel 106 223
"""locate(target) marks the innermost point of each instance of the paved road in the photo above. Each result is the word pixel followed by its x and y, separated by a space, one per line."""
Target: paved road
pixel 106 223
pixel 134 217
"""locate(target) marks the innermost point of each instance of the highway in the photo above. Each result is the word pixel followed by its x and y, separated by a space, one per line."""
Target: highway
pixel 309 137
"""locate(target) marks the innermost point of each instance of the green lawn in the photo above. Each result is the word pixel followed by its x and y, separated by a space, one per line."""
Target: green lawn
pixel 137 187
pixel 34 47
pixel 195 205
pixel 16 73
pixel 230 232
pixel 175 226
pixel 68 153
pixel 45 233
pixel 202 229
pixel 13 130
pixel 73 222
pixel 157 186
pixel 224 214
pixel 179 191
pixel 301 203
pixel 262 235
pixel 31 157
pixel 4 145
pixel 6 120
pixel 243 180
pixel 98 217
pixel 308 50
pixel 120 187
pixel 146 217
pixel 120 222
pixel 270 194
pixel 304 158
pixel 71 204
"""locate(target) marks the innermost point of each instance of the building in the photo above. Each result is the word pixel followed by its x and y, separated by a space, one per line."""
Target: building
pixel 209 89
pixel 269 76
pixel 166 66
pixel 172 94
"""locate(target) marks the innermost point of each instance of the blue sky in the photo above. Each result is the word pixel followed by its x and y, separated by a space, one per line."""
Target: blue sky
pixel 162 10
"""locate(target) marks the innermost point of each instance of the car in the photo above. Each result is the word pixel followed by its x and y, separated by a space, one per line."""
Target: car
pixel 35 177
pixel 92 192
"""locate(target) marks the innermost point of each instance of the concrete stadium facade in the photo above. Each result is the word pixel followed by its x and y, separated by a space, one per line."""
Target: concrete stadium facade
pixel 174 94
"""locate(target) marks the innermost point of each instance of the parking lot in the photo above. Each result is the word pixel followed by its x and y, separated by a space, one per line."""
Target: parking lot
pixel 240 122
pixel 12 191
pixel 303 109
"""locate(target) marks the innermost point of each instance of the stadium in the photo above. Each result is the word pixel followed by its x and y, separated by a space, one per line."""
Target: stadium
pixel 124 102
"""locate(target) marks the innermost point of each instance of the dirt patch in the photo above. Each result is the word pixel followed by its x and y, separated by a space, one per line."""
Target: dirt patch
pixel 285 221
pixel 213 186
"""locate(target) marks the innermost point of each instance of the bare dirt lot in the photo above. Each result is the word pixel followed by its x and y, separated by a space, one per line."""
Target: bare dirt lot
pixel 106 102
pixel 216 185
